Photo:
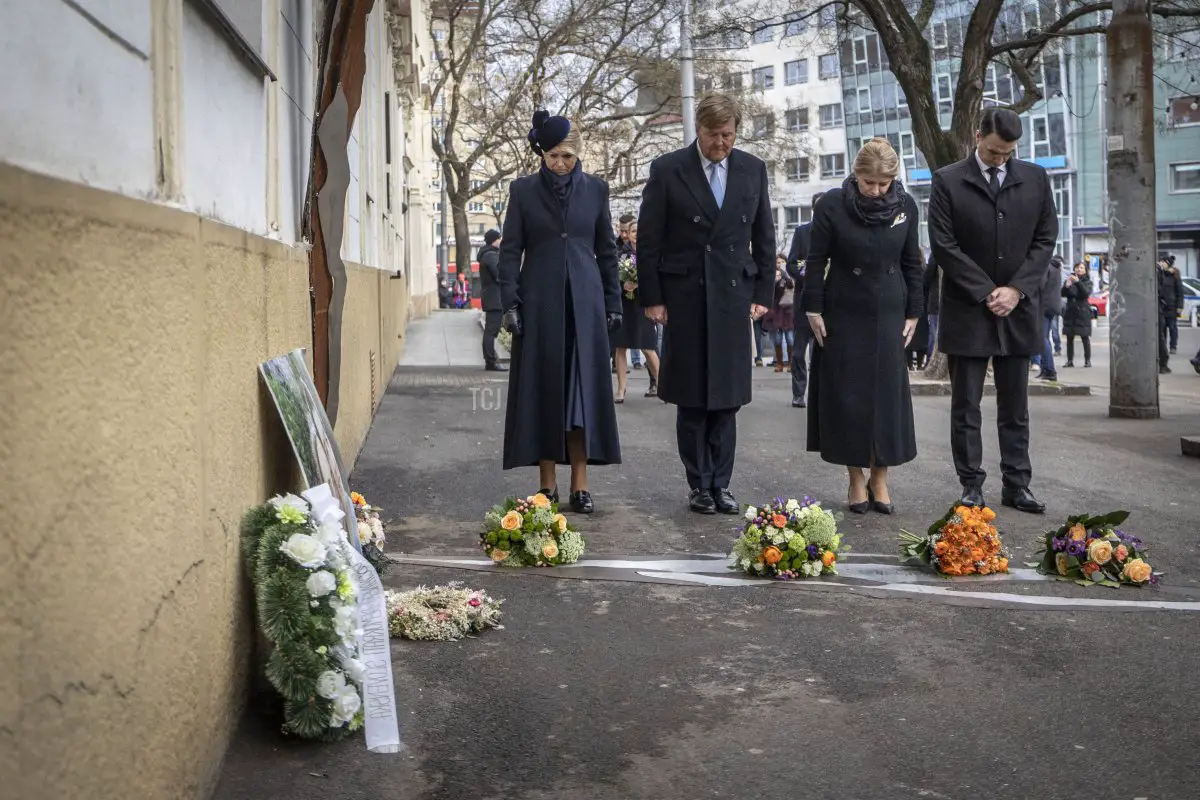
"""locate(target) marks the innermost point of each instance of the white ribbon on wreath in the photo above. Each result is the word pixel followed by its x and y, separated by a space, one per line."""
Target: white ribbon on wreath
pixel 372 644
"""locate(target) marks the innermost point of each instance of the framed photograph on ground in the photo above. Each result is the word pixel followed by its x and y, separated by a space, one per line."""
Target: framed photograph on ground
pixel 308 429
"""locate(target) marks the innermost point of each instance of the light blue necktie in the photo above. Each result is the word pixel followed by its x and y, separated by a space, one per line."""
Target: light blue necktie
pixel 715 181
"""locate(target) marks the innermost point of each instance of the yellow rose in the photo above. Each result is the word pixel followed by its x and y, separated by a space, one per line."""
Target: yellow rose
pixel 512 520
pixel 540 500
pixel 550 549
pixel 562 523
pixel 1060 561
pixel 1100 551
pixel 1137 570
pixel 1077 533
pixel 499 555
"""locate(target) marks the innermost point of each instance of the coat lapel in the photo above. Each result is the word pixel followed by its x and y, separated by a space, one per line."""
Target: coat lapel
pixel 972 174
pixel 1015 176
pixel 697 183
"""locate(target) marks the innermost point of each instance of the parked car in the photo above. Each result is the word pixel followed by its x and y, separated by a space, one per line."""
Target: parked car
pixel 1191 298
pixel 1099 303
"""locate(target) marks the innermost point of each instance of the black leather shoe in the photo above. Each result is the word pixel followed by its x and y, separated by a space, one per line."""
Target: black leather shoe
pixel 972 497
pixel 495 367
pixel 701 502
pixel 1022 500
pixel 725 502
pixel 879 506
pixel 798 403
pixel 551 493
pixel 1195 362
pixel 581 502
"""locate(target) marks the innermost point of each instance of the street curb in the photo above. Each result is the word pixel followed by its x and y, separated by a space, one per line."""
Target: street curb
pixel 1190 445
pixel 926 388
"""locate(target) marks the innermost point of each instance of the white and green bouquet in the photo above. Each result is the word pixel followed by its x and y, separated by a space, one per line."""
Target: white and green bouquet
pixel 299 560
pixel 627 270
pixel 442 614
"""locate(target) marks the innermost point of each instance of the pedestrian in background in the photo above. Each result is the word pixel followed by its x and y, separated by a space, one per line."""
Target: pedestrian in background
pixel 1051 308
pixel 933 299
pixel 489 292
pixel 1077 313
pixel 780 320
pixel 802 335
pixel 637 333
pixel 1170 294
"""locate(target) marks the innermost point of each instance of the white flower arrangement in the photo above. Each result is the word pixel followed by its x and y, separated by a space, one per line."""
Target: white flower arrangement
pixel 297 554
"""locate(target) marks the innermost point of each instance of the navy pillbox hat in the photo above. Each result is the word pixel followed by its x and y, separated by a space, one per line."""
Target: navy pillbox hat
pixel 548 132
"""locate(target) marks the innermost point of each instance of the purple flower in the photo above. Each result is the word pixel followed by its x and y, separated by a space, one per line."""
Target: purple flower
pixel 1058 544
pixel 1076 548
pixel 811 550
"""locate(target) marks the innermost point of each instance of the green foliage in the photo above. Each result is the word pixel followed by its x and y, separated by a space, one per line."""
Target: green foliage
pixel 283 606
pixel 309 717
pixel 257 520
pixel 293 669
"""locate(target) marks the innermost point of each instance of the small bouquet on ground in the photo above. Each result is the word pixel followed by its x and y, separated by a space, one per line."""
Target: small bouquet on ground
pixel 788 539
pixel 1091 550
pixel 529 532
pixel 444 613
pixel 627 270
pixel 370 532
pixel 963 542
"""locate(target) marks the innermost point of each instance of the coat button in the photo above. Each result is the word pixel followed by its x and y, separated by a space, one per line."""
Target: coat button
pixel 891 270
pixel 858 270
pixel 708 248
pixel 743 217
pixel 733 282
pixel 564 235
pixel 1000 215
pixel 696 218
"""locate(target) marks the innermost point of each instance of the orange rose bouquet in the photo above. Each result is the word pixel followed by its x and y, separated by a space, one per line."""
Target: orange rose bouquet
pixel 1091 550
pixel 963 542
pixel 529 532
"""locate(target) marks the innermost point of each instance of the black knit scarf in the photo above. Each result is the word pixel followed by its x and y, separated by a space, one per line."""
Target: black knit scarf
pixel 873 210
pixel 562 185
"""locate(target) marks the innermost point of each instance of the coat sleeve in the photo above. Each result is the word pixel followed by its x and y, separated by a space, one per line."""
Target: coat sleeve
pixel 762 243
pixel 606 255
pixel 652 218
pixel 490 261
pixel 1028 277
pixel 797 253
pixel 819 245
pixel 957 266
pixel 911 266
pixel 1178 292
pixel 511 250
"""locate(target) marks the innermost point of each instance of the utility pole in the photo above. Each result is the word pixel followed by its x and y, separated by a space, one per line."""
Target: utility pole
pixel 1133 241
pixel 689 79
pixel 444 244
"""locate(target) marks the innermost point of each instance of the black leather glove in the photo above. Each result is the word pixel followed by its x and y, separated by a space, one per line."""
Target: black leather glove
pixel 511 321
pixel 614 322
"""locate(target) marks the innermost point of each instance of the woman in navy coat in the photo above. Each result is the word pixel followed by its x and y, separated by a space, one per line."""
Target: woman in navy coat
pixel 559 288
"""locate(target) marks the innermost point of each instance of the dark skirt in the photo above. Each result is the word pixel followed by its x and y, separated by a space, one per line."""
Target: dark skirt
pixel 574 388
pixel 637 331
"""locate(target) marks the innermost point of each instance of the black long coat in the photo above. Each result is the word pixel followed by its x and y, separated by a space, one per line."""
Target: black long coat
pixel 489 277
pixel 981 244
pixel 543 255
pixel 865 281
pixel 706 265
pixel 1077 313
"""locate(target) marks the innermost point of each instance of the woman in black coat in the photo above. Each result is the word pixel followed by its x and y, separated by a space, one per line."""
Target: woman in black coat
pixel 558 285
pixel 637 332
pixel 1077 314
pixel 863 294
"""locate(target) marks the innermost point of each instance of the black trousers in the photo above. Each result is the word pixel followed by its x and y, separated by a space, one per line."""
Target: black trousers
pixel 491 328
pixel 803 338
pixel 967 376
pixel 707 441
pixel 1087 348
pixel 1164 330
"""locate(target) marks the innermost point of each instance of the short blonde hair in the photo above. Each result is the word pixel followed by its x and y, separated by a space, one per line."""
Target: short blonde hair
pixel 717 109
pixel 572 142
pixel 877 157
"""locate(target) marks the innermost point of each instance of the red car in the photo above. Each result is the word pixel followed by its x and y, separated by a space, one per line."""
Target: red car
pixel 1099 304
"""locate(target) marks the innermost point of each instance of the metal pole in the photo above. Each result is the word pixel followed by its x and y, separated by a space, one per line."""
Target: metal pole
pixel 1133 247
pixel 444 245
pixel 689 80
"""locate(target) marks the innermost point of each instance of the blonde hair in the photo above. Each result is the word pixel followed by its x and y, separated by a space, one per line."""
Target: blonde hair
pixel 877 157
pixel 572 142
pixel 717 109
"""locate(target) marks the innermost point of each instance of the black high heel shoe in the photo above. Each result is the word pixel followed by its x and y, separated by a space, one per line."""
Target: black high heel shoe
pixel 859 508
pixel 581 502
pixel 550 493
pixel 879 506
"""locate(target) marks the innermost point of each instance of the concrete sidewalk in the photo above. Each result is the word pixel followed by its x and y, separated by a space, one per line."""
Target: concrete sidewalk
pixel 446 338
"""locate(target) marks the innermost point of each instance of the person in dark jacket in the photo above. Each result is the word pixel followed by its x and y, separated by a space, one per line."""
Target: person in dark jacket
pixel 863 298
pixel 1170 304
pixel 1051 308
pixel 993 226
pixel 780 321
pixel 1077 313
pixel 558 285
pixel 637 332
pixel 489 281
pixel 797 262
pixel 706 253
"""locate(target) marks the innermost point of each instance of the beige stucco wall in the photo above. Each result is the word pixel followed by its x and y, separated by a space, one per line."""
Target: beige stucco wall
pixel 135 432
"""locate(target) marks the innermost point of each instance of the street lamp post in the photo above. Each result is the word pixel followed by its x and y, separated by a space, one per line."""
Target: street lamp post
pixel 688 78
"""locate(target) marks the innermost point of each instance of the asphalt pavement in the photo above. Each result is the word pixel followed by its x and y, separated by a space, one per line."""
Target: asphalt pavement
pixel 624 687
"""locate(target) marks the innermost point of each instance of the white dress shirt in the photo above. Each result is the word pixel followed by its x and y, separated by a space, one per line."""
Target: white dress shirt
pixel 987 178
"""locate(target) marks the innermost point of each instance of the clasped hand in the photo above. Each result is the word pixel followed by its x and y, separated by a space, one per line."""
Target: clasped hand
pixel 1003 300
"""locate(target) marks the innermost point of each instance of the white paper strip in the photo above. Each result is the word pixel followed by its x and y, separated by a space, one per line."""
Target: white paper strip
pixel 375 651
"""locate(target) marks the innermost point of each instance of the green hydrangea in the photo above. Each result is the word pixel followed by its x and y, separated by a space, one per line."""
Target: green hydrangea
pixel 819 528
pixel 748 548
pixel 570 547
pixel 797 543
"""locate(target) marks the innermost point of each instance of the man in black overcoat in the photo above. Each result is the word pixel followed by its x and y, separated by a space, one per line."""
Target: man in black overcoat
pixel 489 280
pixel 993 227
pixel 802 331
pixel 706 265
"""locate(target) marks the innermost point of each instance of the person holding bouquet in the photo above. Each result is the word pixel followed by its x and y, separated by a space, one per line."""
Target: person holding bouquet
pixel 562 301
pixel 637 332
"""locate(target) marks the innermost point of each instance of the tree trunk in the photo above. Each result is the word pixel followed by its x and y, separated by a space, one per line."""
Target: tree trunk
pixel 462 237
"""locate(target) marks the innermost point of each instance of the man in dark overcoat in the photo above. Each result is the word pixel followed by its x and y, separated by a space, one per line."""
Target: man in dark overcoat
pixel 993 227
pixel 802 331
pixel 489 281
pixel 706 265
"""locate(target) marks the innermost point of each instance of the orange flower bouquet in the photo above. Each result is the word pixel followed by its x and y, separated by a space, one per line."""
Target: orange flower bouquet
pixel 963 542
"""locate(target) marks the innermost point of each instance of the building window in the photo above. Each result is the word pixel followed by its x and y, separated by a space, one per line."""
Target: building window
pixel 797 169
pixel 945 95
pixel 1185 177
pixel 795 26
pixel 805 214
pixel 1182 46
pixel 831 115
pixel 764 78
pixel 795 72
pixel 833 165
pixel 860 55
pixel 939 35
pixel 1061 188
pixel 827 66
pixel 763 35
pixel 908 152
pixel 828 17
pixel 864 100
pixel 1184 110
pixel 791 216
pixel 475 207
pixel 764 126
pixel 797 120
pixel 1041 137
pixel 770 173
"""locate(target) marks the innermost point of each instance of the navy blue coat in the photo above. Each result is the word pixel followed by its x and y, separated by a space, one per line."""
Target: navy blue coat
pixel 544 255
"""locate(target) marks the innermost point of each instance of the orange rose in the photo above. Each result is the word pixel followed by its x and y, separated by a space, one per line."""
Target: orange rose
pixel 1077 533
pixel 988 514
pixel 1122 552
pixel 357 499
pixel 1090 567
pixel 941 547
pixel 511 521
pixel 828 557
pixel 772 555
pixel 540 500
pixel 1002 565
pixel 550 549
pixel 976 554
pixel 561 521
pixel 779 521
pixel 1137 570
pixel 498 555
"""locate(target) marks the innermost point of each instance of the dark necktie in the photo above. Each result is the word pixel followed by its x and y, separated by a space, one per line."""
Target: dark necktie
pixel 994 180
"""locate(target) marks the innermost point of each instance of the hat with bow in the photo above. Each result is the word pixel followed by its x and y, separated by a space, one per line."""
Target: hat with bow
pixel 548 132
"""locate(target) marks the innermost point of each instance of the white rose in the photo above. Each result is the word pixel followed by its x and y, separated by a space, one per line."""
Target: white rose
pixel 355 669
pixel 364 533
pixel 792 506
pixel 751 512
pixel 289 500
pixel 330 683
pixel 345 624
pixel 377 529
pixel 305 550
pixel 320 583
pixel 345 706
pixel 330 534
